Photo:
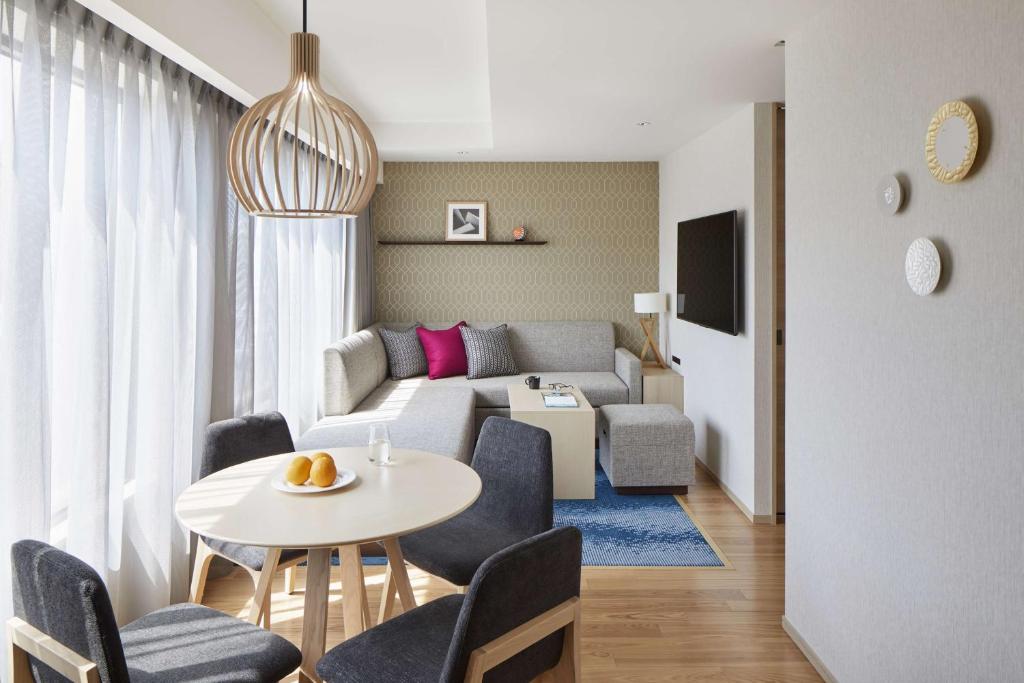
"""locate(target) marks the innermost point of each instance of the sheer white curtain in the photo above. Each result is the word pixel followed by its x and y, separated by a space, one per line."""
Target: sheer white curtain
pixel 137 302
pixel 297 271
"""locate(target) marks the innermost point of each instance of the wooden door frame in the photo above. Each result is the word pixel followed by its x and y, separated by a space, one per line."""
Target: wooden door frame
pixel 778 321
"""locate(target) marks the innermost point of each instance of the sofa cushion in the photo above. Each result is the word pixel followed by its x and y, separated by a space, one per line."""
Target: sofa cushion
pixel 564 346
pixel 404 351
pixel 420 414
pixel 488 353
pixel 353 367
pixel 600 388
pixel 445 352
pixel 551 346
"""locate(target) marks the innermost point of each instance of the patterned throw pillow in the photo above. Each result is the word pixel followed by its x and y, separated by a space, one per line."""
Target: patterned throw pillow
pixel 488 352
pixel 405 353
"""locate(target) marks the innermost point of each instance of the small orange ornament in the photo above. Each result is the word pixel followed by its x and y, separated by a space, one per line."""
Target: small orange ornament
pixel 519 234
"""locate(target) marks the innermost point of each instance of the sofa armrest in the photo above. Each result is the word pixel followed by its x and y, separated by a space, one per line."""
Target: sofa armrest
pixel 353 367
pixel 627 367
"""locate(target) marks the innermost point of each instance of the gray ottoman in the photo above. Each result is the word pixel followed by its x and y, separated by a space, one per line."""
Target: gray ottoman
pixel 646 447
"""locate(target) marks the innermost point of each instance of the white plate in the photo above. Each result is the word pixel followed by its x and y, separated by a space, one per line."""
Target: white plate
pixel 344 478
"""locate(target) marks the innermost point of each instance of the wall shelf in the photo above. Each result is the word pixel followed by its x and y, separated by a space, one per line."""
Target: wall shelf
pixel 526 243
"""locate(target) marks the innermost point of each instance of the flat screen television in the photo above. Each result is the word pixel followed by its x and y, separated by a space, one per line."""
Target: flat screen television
pixel 707 272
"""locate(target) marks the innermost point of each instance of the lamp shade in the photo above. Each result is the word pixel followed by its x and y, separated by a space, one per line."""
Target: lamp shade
pixel 650 302
pixel 340 167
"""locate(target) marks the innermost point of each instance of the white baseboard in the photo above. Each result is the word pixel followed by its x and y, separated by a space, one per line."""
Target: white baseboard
pixel 811 655
pixel 754 519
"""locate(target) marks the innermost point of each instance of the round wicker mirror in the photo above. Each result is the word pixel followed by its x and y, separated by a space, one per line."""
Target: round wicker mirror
pixel 952 142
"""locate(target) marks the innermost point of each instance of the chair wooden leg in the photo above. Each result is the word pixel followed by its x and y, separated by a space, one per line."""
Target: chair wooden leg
pixel 355 606
pixel 204 556
pixel 18 668
pixel 260 610
pixel 565 617
pixel 289 580
pixel 24 640
pixel 568 668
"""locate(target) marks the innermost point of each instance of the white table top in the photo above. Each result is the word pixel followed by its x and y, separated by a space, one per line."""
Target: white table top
pixel 523 399
pixel 239 505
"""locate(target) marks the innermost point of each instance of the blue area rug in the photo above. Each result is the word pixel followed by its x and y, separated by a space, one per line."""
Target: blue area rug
pixel 635 530
pixel 628 530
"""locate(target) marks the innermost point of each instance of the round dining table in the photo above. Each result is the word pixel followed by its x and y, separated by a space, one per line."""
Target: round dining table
pixel 240 504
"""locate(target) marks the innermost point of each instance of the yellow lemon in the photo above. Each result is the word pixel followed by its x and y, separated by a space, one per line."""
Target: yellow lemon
pixel 298 470
pixel 324 471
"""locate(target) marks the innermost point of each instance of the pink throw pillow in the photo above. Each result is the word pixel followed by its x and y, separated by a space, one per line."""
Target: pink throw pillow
pixel 445 352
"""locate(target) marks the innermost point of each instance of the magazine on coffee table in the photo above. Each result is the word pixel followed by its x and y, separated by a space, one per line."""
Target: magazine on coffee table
pixel 560 401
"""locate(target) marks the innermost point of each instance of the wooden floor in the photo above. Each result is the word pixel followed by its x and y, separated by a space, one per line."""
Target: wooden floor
pixel 639 624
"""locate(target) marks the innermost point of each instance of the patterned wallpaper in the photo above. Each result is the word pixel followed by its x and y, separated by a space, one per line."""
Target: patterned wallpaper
pixel 600 220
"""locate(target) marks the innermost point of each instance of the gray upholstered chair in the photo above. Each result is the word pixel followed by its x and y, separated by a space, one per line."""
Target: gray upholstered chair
pixel 232 442
pixel 64 629
pixel 519 618
pixel 513 460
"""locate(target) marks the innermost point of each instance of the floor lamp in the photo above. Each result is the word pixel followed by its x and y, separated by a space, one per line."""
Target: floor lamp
pixel 649 305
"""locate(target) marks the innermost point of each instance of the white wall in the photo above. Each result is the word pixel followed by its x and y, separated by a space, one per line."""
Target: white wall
pixel 905 415
pixel 711 174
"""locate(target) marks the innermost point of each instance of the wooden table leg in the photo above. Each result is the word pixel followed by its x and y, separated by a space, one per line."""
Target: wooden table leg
pixel 399 574
pixel 355 605
pixel 260 610
pixel 314 618
pixel 387 596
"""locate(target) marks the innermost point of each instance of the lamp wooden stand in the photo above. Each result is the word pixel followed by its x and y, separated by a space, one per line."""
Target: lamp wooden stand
pixel 648 324
pixel 648 305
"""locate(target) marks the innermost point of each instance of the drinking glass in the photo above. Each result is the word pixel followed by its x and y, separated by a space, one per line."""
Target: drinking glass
pixel 380 444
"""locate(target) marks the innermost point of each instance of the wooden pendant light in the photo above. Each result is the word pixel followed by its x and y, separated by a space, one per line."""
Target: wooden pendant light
pixel 340 166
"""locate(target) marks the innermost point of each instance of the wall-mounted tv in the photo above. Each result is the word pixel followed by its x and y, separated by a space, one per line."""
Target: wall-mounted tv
pixel 707 272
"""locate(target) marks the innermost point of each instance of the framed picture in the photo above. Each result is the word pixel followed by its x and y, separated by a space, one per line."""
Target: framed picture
pixel 467 222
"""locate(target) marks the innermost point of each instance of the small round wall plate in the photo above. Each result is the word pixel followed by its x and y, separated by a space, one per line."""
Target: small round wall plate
pixel 344 478
pixel 923 266
pixel 889 194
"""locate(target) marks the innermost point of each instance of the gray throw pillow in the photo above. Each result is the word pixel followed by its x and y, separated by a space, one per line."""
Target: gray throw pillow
pixel 405 352
pixel 488 352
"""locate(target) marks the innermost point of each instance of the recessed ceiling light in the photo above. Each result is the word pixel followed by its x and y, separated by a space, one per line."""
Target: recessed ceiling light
pixel 780 43
pixel 643 124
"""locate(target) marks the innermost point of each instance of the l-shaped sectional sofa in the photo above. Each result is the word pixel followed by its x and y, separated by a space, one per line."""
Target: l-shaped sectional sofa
pixel 443 415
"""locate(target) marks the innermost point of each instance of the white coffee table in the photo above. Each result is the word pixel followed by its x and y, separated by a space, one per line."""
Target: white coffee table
pixel 572 437
pixel 239 504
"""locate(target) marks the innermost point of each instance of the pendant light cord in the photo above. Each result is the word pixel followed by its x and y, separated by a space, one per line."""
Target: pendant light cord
pixel 304 16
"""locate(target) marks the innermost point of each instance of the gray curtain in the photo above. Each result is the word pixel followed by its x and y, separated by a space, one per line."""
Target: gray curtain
pixel 360 289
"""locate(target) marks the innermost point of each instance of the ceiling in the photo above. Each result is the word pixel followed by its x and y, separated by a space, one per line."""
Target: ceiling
pixel 546 79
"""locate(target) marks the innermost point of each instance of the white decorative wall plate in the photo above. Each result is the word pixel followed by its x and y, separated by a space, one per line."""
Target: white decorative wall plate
pixel 923 266
pixel 889 194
